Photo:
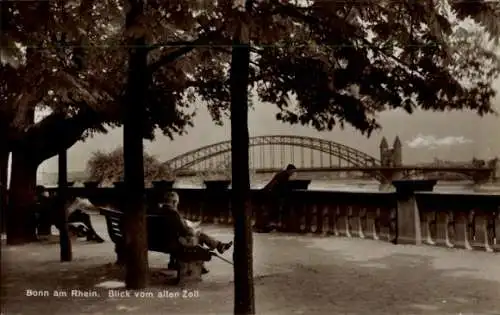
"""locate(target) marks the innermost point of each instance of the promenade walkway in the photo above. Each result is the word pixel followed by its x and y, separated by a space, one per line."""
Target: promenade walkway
pixel 293 275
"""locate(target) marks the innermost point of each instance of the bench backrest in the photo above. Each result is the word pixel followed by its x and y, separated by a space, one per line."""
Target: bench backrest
pixel 158 231
pixel 114 222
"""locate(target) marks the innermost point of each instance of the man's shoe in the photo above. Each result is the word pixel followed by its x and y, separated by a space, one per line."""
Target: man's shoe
pixel 222 247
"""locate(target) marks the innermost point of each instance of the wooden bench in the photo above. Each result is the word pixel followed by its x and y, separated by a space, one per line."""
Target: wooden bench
pixel 190 256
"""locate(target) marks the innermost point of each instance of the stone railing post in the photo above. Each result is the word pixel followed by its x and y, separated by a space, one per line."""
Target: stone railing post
pixel 217 200
pixel 408 230
pixel 118 195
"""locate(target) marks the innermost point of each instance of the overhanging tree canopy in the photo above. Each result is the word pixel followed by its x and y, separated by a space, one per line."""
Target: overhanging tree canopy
pixel 326 63
pixel 358 58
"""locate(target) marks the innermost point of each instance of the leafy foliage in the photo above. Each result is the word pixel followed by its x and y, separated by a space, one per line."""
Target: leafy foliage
pixel 108 167
pixel 72 58
pixel 326 63
pixel 322 63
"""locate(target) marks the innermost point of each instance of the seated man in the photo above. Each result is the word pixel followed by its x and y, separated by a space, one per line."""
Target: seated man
pixel 169 207
pixel 78 220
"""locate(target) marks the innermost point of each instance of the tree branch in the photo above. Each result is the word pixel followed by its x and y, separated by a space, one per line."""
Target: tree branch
pixel 202 41
pixel 46 139
pixel 169 44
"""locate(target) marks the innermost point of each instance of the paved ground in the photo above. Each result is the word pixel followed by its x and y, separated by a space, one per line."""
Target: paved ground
pixel 293 275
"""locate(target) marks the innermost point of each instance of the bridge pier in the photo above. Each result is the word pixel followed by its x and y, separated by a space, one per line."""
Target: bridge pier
pixel 388 176
pixel 385 186
pixel 480 178
pixel 478 185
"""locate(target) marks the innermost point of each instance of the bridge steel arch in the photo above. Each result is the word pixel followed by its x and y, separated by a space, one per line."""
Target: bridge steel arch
pixel 348 154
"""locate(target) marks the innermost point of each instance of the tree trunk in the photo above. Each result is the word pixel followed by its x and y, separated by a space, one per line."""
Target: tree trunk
pixel 4 169
pixel 244 302
pixel 136 245
pixel 21 226
pixel 64 239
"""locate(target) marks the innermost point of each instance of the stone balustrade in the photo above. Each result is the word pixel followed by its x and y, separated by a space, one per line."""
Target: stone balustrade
pixel 411 215
pixel 470 221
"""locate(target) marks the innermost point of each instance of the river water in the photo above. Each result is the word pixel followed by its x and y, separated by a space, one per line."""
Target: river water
pixel 337 184
pixel 358 185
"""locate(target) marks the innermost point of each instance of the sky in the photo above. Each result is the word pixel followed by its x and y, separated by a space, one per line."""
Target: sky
pixel 458 136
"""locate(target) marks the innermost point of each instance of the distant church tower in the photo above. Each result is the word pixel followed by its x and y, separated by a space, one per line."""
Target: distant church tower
pixel 391 156
pixel 384 152
pixel 397 152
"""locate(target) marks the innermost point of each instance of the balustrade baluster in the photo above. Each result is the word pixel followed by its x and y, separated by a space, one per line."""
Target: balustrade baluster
pixel 451 228
pixel 496 222
pixel 442 228
pixel 343 221
pixel 480 240
pixel 287 216
pixel 221 213
pixel 332 220
pixel 196 212
pixel 371 230
pixel 204 213
pixel 199 211
pixel 429 227
pixel 254 217
pixel 384 219
pixel 462 231
pixel 362 222
pixel 320 219
pixel 378 223
pixel 283 209
pixel 292 223
pixel 230 213
pixel 302 210
pixel 353 213
pixel 260 209
pixel 212 211
pixel 309 216
pixel 393 225
pixel 490 229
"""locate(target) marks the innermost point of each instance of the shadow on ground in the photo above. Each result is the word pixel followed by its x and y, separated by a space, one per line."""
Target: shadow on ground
pixel 293 275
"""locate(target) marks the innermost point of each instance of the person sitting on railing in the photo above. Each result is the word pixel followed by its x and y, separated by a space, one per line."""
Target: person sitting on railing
pixel 168 207
pixel 78 221
pixel 277 186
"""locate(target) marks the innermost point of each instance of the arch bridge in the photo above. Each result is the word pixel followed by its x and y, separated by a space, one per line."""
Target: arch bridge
pixel 273 152
pixel 303 151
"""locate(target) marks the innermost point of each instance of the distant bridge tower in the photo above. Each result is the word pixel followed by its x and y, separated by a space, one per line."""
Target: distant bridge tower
pixel 391 156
